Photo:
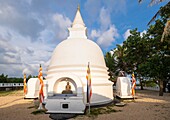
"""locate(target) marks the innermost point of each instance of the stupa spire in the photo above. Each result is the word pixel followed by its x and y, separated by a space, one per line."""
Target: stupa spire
pixel 78 7
pixel 78 29
pixel 78 21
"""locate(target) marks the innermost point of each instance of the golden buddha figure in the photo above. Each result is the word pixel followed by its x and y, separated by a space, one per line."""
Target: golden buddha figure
pixel 67 89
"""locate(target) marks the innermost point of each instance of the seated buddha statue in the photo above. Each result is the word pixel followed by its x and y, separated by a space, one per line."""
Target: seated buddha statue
pixel 67 89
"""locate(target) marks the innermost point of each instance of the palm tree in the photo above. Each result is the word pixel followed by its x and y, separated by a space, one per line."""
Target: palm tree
pixel 110 63
pixel 166 31
pixel 119 54
pixel 157 13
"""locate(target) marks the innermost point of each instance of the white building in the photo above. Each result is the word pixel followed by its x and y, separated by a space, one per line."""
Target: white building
pixel 123 87
pixel 69 64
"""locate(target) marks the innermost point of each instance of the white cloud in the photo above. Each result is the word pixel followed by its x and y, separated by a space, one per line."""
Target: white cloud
pixel 46 35
pixel 61 20
pixel 14 70
pixel 29 32
pixel 126 34
pixel 92 7
pixel 143 32
pixel 56 30
pixel 117 6
pixel 107 33
pixel 30 69
pixel 62 23
pixel 100 12
pixel 104 19
pixel 11 57
pixel 20 20
pixel 111 52
pixel 108 37
pixel 94 34
pixel 20 53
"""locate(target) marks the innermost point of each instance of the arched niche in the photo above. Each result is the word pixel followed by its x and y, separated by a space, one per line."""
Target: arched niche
pixel 59 80
pixel 61 83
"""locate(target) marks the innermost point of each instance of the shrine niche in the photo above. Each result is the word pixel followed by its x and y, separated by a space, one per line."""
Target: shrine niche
pixel 65 86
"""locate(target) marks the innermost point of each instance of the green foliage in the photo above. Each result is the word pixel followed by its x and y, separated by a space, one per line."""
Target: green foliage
pixel 14 92
pixel 3 78
pixel 150 83
pixel 158 63
pixel 94 112
pixel 115 62
pixel 110 62
pixel 5 93
pixel 146 54
pixel 119 54
pixel 15 80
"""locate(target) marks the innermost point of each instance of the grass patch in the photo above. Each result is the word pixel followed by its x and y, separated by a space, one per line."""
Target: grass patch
pixel 38 112
pixel 5 93
pixel 32 107
pixel 11 92
pixel 94 112
pixel 129 101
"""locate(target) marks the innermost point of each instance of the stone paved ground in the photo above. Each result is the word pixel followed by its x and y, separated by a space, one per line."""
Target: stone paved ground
pixel 147 106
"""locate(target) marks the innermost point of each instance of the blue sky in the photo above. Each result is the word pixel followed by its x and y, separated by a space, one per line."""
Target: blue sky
pixel 31 29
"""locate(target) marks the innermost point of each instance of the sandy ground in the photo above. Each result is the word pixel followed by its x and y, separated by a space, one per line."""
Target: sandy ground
pixel 147 106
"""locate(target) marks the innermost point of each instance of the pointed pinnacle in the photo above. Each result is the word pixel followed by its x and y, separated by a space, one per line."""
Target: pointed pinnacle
pixel 78 7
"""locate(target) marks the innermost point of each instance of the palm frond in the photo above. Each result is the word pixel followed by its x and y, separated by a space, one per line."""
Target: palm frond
pixel 152 2
pixel 155 2
pixel 153 18
pixel 139 1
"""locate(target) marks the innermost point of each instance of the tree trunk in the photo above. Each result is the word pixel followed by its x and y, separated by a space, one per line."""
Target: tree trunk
pixel 141 85
pixel 164 85
pixel 161 88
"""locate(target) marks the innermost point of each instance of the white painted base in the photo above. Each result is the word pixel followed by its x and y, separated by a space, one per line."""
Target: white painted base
pixel 65 104
pixel 123 97
pixel 32 88
pixel 30 97
pixel 123 87
pixel 40 107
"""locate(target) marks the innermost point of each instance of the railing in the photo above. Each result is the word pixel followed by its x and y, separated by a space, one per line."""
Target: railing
pixel 11 84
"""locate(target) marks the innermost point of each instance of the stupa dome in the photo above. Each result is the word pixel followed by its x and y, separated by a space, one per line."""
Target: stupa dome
pixel 77 52
pixel 69 63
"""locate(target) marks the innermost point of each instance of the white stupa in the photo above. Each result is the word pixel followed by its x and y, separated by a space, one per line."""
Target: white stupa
pixel 69 64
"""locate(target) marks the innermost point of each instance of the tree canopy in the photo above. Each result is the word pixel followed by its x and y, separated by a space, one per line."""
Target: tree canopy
pixel 145 54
